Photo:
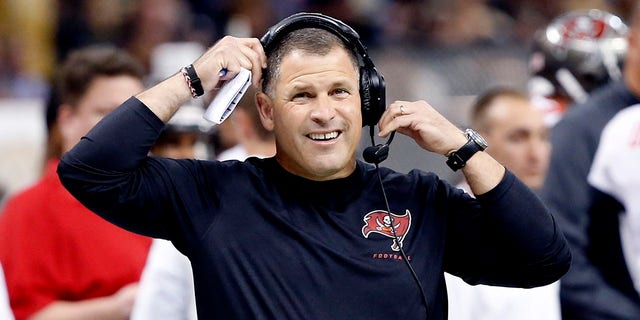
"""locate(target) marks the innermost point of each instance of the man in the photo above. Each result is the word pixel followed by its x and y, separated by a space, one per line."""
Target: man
pixel 60 260
pixel 295 236
pixel 518 138
pixel 598 285
pixel 516 132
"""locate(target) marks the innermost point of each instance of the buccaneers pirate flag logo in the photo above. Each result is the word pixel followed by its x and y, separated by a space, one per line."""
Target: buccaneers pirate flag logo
pixel 381 222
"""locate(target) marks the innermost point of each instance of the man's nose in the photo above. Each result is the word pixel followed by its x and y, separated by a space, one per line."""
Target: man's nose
pixel 324 110
pixel 539 149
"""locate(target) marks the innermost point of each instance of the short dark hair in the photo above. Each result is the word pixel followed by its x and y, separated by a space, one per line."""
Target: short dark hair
pixel 75 75
pixel 84 65
pixel 310 40
pixel 480 108
pixel 635 16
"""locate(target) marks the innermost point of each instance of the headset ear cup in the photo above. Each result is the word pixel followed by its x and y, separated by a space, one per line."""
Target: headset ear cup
pixel 376 97
pixel 365 96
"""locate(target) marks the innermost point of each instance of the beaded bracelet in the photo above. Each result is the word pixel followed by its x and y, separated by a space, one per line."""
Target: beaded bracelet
pixel 193 82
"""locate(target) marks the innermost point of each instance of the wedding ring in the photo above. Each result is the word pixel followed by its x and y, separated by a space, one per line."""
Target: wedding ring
pixel 402 110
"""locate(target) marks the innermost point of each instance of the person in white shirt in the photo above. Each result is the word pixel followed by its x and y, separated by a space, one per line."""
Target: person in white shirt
pixel 616 171
pixel 518 137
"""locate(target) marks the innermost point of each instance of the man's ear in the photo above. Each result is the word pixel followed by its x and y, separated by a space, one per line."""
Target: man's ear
pixel 265 109
pixel 632 38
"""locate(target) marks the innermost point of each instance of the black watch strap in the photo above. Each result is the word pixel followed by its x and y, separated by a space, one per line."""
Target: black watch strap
pixel 458 159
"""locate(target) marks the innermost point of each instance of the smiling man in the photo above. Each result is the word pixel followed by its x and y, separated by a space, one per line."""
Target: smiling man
pixel 288 237
pixel 315 104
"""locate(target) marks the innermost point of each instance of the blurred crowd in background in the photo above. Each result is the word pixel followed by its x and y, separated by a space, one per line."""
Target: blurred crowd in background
pixel 36 34
pixel 443 51
pixel 451 53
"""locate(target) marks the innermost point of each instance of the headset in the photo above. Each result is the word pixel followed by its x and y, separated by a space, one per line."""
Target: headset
pixel 372 85
pixel 372 92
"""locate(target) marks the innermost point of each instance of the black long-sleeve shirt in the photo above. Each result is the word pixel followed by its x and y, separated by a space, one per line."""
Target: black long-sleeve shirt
pixel 266 244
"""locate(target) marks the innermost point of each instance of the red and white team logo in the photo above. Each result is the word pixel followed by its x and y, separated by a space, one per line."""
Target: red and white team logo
pixel 584 28
pixel 381 222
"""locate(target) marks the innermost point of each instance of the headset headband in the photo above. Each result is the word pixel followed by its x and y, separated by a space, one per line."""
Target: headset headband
pixel 315 20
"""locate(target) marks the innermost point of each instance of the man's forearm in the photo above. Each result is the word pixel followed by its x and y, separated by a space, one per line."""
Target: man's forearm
pixel 166 97
pixel 483 173
pixel 105 308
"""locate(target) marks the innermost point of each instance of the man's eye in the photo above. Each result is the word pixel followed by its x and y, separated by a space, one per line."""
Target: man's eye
pixel 301 95
pixel 518 137
pixel 341 92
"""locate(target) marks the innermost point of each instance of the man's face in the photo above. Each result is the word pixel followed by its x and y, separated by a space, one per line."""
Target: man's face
pixel 519 139
pixel 315 114
pixel 103 96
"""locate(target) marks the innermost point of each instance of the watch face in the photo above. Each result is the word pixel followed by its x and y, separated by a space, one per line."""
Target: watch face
pixel 477 138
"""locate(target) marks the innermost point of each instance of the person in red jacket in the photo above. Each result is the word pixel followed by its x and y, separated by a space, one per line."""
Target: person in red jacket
pixel 60 259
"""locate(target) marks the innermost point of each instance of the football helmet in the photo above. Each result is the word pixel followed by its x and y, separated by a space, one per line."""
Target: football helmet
pixel 576 53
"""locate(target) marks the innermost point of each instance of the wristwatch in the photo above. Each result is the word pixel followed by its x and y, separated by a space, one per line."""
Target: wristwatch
pixel 458 159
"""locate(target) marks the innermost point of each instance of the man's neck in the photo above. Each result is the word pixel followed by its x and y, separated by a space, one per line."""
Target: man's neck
pixel 261 148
